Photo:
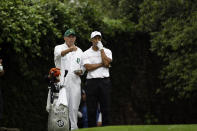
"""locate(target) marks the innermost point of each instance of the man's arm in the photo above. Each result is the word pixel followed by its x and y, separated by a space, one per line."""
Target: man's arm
pixel 106 60
pixel 72 48
pixel 90 67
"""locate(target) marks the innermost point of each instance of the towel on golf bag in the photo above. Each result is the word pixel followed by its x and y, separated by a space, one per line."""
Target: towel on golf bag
pixel 48 106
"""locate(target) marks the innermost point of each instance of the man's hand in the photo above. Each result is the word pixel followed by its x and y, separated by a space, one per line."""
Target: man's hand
pixel 106 66
pixel 78 72
pixel 73 48
pixel 100 45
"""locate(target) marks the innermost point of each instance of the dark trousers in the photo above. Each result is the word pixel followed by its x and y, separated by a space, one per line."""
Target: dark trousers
pixel 98 91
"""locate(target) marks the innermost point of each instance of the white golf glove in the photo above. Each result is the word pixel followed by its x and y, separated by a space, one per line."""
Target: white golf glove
pixel 100 45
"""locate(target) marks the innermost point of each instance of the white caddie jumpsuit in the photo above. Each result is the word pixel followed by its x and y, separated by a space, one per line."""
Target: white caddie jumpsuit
pixel 70 93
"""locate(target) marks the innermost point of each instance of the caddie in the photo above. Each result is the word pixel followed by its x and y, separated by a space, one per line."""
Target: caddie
pixel 67 58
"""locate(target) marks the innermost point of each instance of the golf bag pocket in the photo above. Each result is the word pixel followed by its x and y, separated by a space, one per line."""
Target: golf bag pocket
pixel 58 118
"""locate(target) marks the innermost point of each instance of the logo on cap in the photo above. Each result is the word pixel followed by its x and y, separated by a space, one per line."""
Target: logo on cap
pixel 69 32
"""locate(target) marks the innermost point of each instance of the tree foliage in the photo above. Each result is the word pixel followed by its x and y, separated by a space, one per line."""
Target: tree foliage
pixel 171 25
pixel 173 39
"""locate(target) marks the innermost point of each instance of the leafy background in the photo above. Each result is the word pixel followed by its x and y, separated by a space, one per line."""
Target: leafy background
pixel 154 68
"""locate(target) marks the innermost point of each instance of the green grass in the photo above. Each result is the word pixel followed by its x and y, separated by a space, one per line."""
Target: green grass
pixel 192 127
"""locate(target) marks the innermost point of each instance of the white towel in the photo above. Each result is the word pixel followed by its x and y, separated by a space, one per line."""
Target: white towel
pixel 62 99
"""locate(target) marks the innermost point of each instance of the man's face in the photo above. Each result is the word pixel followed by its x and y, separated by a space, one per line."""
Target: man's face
pixel 95 40
pixel 70 40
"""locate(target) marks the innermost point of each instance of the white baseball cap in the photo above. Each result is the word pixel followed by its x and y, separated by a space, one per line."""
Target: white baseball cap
pixel 95 33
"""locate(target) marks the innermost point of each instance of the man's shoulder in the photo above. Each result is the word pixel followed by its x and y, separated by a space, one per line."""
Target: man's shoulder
pixel 88 51
pixel 106 49
pixel 79 49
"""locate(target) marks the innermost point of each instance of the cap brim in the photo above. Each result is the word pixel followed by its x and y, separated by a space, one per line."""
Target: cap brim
pixel 69 35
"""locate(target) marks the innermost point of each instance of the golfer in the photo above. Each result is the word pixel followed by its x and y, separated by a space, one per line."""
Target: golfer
pixel 96 61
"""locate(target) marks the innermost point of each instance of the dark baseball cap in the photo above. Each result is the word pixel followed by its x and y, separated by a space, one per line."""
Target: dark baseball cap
pixel 69 32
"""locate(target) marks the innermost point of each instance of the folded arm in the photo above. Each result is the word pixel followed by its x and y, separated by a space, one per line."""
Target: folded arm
pixel 106 60
pixel 90 67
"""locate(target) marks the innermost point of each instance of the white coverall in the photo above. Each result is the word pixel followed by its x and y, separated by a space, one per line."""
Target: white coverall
pixel 70 93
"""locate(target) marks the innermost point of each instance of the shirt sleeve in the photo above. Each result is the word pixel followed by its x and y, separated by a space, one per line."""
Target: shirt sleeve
pixel 85 59
pixel 109 54
pixel 57 53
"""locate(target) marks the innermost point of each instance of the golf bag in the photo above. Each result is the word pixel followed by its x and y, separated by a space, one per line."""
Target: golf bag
pixel 58 114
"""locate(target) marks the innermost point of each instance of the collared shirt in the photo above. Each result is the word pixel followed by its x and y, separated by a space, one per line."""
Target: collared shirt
pixel 94 57
pixel 70 61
